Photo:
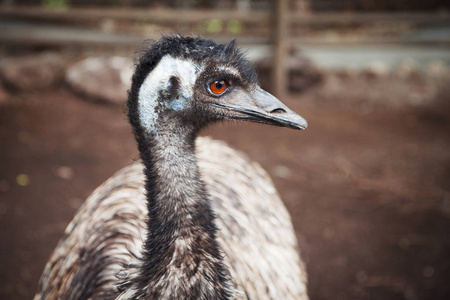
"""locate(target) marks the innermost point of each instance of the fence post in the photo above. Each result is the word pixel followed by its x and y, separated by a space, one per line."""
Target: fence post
pixel 279 75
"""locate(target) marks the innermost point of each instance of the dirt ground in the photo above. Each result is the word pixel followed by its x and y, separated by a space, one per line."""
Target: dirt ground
pixel 368 193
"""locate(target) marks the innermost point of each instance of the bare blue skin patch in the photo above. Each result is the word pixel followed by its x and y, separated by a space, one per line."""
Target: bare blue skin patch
pixel 177 104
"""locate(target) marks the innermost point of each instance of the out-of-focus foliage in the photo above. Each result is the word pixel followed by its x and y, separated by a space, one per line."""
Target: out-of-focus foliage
pixel 55 4
pixel 234 27
pixel 214 26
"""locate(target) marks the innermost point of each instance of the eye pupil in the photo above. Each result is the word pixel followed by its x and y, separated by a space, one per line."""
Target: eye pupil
pixel 218 87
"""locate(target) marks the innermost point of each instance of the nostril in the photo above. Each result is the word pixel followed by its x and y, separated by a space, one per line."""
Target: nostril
pixel 277 111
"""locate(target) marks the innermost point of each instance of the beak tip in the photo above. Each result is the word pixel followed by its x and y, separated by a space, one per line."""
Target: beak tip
pixel 302 124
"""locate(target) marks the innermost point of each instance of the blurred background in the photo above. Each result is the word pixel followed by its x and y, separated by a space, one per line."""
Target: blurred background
pixel 367 184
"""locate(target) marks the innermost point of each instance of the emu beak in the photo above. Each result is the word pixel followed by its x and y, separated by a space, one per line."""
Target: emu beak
pixel 261 107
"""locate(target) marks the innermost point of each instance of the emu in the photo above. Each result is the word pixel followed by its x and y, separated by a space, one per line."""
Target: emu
pixel 193 219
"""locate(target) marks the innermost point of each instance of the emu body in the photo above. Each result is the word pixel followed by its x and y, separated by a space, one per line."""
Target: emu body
pixel 194 219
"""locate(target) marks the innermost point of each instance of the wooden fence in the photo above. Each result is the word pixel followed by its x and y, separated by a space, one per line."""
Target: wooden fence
pixel 282 28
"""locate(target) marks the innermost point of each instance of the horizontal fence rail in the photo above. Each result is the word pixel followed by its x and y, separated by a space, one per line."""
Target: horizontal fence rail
pixel 284 29
pixel 253 27
pixel 174 15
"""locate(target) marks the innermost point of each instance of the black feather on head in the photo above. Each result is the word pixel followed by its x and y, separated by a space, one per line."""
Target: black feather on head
pixel 200 51
pixel 196 49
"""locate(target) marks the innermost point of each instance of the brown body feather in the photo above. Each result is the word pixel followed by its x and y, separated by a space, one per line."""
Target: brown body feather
pixel 105 239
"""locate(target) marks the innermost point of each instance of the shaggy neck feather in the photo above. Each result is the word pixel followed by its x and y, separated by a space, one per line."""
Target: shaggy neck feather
pixel 181 257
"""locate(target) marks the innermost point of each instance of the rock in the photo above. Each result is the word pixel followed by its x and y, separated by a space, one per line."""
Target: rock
pixel 346 74
pixel 102 78
pixel 35 72
pixel 375 69
pixel 303 73
pixel 64 172
pixel 436 69
pixel 407 69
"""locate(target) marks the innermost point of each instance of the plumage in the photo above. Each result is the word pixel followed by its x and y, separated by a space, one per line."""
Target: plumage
pixel 194 219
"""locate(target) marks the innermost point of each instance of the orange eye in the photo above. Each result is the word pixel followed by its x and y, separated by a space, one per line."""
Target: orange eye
pixel 218 87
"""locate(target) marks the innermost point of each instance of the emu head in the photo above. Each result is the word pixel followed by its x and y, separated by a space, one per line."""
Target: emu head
pixel 190 82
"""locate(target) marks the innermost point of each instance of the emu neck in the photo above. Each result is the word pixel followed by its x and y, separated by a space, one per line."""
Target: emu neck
pixel 182 258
